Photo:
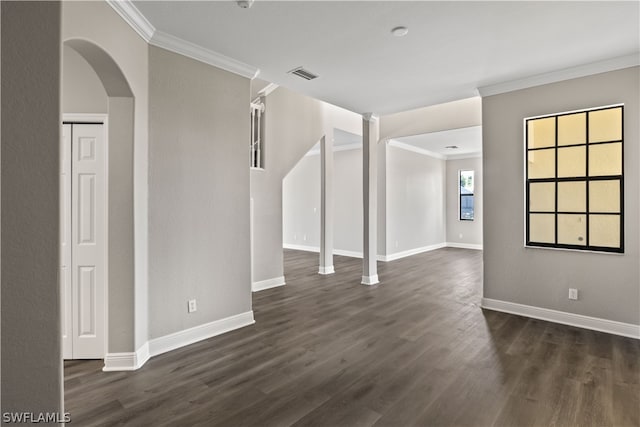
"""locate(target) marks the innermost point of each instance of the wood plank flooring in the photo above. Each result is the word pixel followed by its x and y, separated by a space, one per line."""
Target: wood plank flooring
pixel 414 350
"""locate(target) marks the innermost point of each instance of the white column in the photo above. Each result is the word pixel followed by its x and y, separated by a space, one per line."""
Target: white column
pixel 370 131
pixel 326 204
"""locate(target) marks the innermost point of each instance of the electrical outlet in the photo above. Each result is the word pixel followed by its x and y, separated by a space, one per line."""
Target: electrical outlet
pixel 304 237
pixel 192 306
pixel 460 235
pixel 573 294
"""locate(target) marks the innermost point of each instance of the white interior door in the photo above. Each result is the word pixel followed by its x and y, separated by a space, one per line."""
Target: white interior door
pixel 65 241
pixel 85 306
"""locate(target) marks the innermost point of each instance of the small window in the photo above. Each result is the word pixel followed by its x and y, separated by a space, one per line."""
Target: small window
pixel 256 146
pixel 574 180
pixel 467 202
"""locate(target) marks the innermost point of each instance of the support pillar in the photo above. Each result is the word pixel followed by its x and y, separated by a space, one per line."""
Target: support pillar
pixel 326 204
pixel 370 131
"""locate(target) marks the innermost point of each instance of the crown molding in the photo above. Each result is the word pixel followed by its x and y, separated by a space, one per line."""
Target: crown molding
pixel 370 117
pixel 408 147
pixel 133 17
pixel 613 64
pixel 463 156
pixel 268 89
pixel 136 20
pixel 194 51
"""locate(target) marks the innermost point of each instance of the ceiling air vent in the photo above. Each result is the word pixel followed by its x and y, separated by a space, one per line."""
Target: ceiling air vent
pixel 301 72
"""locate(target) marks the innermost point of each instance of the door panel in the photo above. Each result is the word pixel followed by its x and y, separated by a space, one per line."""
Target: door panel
pixel 88 237
pixel 65 242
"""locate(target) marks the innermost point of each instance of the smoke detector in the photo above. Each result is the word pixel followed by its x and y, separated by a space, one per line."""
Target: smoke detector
pixel 245 4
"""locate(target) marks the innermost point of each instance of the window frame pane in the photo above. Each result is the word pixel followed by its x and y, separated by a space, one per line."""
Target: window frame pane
pixel 558 180
pixel 471 194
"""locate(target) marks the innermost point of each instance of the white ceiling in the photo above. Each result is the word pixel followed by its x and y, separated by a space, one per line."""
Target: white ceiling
pixel 468 140
pixel 452 47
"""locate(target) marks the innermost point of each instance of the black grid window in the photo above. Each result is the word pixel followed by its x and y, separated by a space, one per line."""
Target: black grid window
pixel 574 180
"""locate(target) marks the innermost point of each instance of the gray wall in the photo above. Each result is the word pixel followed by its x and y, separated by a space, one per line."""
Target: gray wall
pixel 347 191
pixel 609 285
pixel 30 139
pixel 293 124
pixel 415 200
pixel 464 232
pixel 301 202
pixel 82 90
pixel 199 193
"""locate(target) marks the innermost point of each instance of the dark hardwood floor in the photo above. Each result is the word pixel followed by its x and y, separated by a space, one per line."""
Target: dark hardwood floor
pixel 414 350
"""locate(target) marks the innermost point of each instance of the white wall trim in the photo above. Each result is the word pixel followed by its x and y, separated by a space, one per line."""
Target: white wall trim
pixel 613 64
pixel 126 361
pixel 370 280
pixel 572 319
pixel 404 254
pixel 301 248
pixel 268 89
pixel 198 333
pixel 135 360
pixel 136 20
pixel 384 258
pixel 464 245
pixel 414 149
pixel 464 156
pixel 268 284
pixel 351 254
pixel 340 252
pixel 326 270
pixel 133 17
pixel 194 51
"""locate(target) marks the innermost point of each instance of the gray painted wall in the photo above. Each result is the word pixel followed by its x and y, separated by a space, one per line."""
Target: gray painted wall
pixel 347 192
pixel 609 285
pixel 415 200
pixel 301 202
pixel 82 90
pixel 293 124
pixel 30 139
pixel 464 232
pixel 199 193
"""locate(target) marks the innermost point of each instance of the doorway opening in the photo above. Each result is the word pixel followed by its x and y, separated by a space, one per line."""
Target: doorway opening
pixel 83 236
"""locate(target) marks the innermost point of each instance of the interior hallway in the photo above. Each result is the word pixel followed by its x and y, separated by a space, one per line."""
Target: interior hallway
pixel 414 350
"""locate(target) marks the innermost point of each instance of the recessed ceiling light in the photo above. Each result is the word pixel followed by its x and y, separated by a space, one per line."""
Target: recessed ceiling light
pixel 452 147
pixel 400 31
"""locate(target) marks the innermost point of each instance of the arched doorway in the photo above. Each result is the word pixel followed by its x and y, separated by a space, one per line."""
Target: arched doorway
pixel 118 209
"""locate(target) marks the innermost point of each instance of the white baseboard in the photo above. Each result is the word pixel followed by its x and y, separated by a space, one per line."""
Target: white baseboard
pixel 198 333
pixel 126 361
pixel 404 254
pixel 351 254
pixel 268 284
pixel 301 247
pixel 135 360
pixel 464 245
pixel 370 280
pixel 586 322
pixel 385 258
pixel 326 270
